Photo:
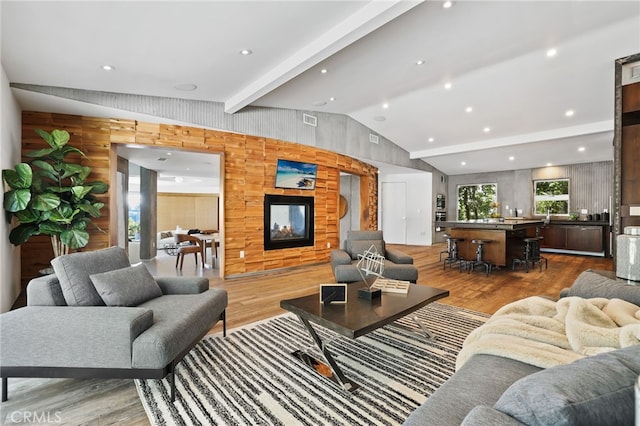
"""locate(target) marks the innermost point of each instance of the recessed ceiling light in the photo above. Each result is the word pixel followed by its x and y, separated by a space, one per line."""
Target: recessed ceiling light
pixel 385 105
pixel 319 103
pixel 569 113
pixel 430 140
pixel 169 153
pixel 420 62
pixel 186 87
pixel 246 52
pixel 549 164
pixel 447 4
pixel 332 99
pixel 582 149
pixel 379 118
pixel 551 53
pixel 464 163
pixel 469 109
pixel 108 67
pixel 486 129
pixel 323 70
pixel 447 86
pixel 512 158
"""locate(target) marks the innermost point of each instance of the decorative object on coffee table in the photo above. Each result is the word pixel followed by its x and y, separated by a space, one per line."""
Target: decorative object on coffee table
pixel 333 293
pixel 370 263
pixel 387 285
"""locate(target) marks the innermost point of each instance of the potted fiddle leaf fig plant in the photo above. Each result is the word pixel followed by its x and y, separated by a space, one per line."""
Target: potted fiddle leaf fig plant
pixel 49 195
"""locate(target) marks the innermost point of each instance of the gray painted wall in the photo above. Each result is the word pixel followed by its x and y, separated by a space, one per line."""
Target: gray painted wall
pixel 590 187
pixel 334 132
pixel 10 154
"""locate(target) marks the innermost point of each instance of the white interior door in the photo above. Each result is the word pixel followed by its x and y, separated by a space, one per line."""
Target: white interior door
pixel 394 212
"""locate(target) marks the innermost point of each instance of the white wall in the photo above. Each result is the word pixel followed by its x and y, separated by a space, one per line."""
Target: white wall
pixel 10 142
pixel 419 205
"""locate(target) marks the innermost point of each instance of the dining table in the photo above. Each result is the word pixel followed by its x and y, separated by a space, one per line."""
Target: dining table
pixel 214 239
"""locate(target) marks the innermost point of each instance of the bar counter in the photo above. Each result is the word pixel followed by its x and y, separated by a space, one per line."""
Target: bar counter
pixel 505 236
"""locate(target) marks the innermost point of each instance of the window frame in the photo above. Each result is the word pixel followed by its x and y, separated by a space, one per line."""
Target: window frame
pixel 561 197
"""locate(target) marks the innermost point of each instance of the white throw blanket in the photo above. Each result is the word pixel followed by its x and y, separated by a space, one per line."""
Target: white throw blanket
pixel 545 333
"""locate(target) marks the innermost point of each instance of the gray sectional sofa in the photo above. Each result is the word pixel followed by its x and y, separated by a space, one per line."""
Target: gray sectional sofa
pixel 397 265
pixel 98 316
pixel 492 390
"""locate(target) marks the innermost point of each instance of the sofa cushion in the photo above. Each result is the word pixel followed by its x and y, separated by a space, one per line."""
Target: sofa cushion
pixel 73 272
pixel 128 286
pixel 593 390
pixel 178 320
pixel 356 247
pixel 480 381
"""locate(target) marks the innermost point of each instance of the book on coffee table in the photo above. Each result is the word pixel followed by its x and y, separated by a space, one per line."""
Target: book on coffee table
pixel 391 286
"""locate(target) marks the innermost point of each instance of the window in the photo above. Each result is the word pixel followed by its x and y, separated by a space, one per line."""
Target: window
pixel 551 196
pixel 477 201
pixel 134 216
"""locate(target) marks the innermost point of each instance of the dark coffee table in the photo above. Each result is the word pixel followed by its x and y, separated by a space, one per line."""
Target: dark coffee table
pixel 356 318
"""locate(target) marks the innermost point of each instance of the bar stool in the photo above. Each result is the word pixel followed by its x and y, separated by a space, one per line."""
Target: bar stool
pixel 531 255
pixel 448 250
pixel 453 253
pixel 479 257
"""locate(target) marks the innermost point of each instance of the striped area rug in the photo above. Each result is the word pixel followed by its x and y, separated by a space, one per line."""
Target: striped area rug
pixel 251 378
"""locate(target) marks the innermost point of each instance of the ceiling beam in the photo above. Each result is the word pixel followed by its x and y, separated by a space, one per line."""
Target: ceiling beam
pixel 370 17
pixel 565 132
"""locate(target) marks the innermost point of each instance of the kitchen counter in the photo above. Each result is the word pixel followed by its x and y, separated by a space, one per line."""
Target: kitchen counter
pixel 579 222
pixel 505 225
pixel 592 238
pixel 505 236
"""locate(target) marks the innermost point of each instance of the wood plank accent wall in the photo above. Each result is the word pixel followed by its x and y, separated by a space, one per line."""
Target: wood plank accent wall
pixel 249 165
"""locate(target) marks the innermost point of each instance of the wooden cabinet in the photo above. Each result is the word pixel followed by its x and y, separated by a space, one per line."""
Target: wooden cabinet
pixel 579 238
pixel 584 238
pixel 553 237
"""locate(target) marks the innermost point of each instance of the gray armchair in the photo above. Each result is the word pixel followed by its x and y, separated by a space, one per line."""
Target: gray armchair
pixel 398 265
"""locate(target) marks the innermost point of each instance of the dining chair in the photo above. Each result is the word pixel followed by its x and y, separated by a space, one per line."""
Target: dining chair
pixel 195 246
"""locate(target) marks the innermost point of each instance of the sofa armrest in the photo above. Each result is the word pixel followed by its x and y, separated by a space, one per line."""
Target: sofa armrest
pixel 590 284
pixel 71 336
pixel 482 415
pixel 397 256
pixel 182 285
pixel 340 257
pixel 45 291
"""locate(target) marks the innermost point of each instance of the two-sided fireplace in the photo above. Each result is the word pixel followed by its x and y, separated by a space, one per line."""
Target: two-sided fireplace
pixel 288 221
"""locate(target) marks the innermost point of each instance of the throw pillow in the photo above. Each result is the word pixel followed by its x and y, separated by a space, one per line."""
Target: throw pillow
pixel 596 390
pixel 127 286
pixel 73 272
pixel 356 247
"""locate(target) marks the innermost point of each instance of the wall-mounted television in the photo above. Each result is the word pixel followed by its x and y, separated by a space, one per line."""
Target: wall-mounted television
pixel 296 175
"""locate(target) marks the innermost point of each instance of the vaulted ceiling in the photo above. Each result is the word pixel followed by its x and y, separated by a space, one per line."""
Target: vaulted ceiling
pixel 474 83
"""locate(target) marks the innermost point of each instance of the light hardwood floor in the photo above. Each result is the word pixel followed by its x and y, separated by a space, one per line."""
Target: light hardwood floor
pixel 252 298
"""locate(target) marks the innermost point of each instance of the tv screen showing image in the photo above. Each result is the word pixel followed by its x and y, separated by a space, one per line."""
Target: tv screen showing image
pixel 296 175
